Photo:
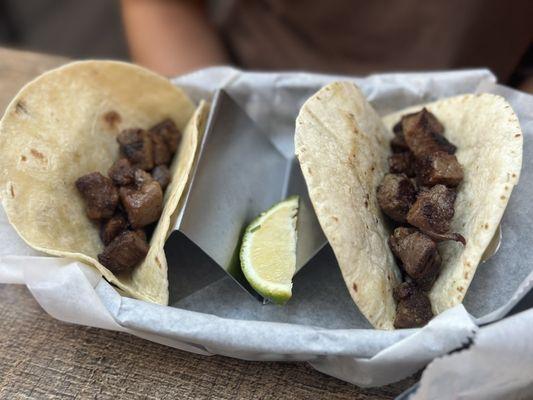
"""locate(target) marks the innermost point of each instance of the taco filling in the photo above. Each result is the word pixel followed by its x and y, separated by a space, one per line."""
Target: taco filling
pixel 418 194
pixel 130 199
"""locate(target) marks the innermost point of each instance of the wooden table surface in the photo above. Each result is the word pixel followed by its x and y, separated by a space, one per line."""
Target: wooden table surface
pixel 44 358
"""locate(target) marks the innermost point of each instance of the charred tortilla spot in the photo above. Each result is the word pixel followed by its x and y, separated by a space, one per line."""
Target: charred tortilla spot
pixel 517 135
pixel 76 156
pixel 502 197
pixel 513 175
pixel 112 118
pixel 20 107
pixel 354 287
pixel 158 262
pixel 23 158
pixel 460 288
pixel 38 154
pixel 12 190
pixel 335 219
pixel 486 226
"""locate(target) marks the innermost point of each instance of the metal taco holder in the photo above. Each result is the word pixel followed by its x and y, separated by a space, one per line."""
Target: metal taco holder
pixel 239 173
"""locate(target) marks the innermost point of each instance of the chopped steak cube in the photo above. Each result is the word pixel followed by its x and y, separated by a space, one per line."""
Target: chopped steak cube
pixel 125 251
pixel 136 146
pixel 144 205
pixel 100 195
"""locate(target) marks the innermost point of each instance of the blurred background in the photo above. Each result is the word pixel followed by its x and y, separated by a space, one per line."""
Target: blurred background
pixel 340 36
pixel 76 29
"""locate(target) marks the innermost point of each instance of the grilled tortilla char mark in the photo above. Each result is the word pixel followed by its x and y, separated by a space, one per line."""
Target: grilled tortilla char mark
pixel 124 252
pixel 396 193
pixel 100 195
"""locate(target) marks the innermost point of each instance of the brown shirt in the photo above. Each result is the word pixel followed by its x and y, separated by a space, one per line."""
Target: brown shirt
pixel 364 36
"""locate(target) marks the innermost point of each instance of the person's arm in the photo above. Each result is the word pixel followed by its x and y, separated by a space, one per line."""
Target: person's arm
pixel 171 36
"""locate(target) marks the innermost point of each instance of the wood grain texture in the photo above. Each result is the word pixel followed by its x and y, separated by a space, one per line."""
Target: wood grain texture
pixel 44 358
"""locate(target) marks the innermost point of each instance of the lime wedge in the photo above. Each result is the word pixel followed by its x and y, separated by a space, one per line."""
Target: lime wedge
pixel 268 251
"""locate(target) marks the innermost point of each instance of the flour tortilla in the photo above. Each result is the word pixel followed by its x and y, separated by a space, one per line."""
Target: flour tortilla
pixel 342 146
pixel 64 125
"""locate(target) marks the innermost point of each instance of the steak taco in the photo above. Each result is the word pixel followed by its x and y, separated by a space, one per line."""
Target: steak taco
pixel 94 158
pixel 408 203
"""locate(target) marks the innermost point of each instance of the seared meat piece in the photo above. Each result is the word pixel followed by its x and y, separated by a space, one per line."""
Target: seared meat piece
pixel 425 117
pixel 170 133
pixel 161 174
pixel 442 237
pixel 99 193
pixel 121 172
pixel 125 251
pixel 160 148
pixel 141 233
pixel 112 227
pixel 397 128
pixel 397 236
pixel 423 134
pixel 433 209
pixel 402 163
pixel 396 193
pixel 413 309
pixel 136 146
pixel 439 167
pixel 398 145
pixel 141 177
pixel 417 252
pixel 143 205
pixel 425 284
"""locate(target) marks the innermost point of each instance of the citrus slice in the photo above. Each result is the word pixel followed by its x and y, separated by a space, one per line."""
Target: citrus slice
pixel 268 251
